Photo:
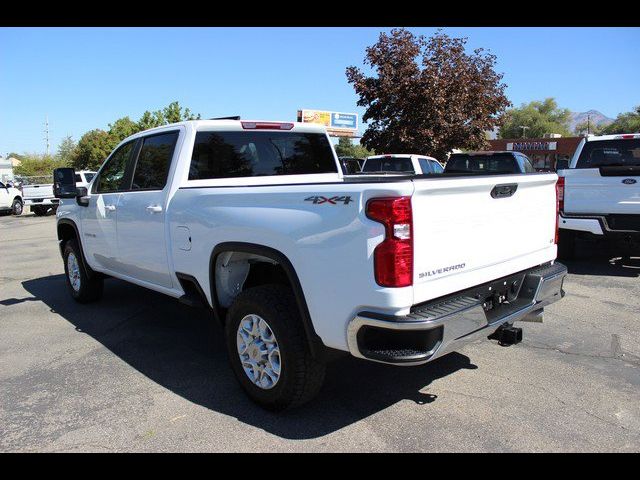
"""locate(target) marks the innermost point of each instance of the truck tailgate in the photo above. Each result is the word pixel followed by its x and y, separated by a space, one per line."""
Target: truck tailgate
pixel 587 191
pixel 465 235
pixel 30 192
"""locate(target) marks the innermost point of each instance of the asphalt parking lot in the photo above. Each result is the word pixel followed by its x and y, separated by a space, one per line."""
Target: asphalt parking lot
pixel 140 372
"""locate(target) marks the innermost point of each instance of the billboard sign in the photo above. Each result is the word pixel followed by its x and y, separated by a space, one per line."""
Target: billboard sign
pixel 331 120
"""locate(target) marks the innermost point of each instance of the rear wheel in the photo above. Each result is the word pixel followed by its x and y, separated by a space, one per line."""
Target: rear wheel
pixel 84 289
pixel 566 244
pixel 268 349
pixel 39 211
pixel 17 206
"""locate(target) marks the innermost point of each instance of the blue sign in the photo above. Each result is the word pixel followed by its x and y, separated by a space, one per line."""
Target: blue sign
pixel 344 120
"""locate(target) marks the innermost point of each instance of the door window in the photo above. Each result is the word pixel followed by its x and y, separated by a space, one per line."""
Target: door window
pixel 111 177
pixel 154 160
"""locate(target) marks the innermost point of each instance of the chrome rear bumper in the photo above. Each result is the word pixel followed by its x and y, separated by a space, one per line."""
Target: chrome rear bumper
pixel 437 327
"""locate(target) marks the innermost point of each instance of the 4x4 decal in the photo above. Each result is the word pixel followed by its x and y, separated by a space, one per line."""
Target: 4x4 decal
pixel 317 200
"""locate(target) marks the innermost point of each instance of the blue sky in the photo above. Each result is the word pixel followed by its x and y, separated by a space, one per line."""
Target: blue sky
pixel 85 78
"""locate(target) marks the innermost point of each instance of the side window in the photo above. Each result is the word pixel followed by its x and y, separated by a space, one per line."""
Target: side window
pixel 112 175
pixel 437 168
pixel 525 164
pixel 154 160
pixel 78 178
pixel 424 165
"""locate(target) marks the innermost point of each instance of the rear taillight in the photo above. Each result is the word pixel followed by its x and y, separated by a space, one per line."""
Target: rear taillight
pixel 559 204
pixel 266 126
pixel 393 258
pixel 560 194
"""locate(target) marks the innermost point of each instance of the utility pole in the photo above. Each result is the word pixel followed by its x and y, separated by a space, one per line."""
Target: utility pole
pixel 46 132
pixel 523 127
pixel 588 124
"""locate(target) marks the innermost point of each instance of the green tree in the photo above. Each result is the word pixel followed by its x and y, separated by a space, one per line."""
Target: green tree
pixel 96 145
pixel 66 151
pixel 628 122
pixel 173 113
pixel 427 95
pixel 93 147
pixel 151 120
pixel 346 148
pixel 34 164
pixel 122 128
pixel 539 118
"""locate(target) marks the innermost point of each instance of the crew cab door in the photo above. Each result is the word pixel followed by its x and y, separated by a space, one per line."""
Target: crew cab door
pixel 99 238
pixel 141 212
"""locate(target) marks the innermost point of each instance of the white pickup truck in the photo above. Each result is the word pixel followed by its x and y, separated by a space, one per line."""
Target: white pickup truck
pixel 402 163
pixel 256 221
pixel 40 198
pixel 600 191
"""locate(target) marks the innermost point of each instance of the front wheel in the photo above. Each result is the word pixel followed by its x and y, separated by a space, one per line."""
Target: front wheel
pixel 84 289
pixel 268 349
pixel 17 206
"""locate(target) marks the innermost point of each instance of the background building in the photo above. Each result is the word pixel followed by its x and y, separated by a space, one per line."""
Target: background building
pixel 6 169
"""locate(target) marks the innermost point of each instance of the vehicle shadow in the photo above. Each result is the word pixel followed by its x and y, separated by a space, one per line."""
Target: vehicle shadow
pixel 182 349
pixel 601 257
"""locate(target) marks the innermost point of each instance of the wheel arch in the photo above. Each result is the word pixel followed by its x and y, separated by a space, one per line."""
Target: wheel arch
pixel 68 230
pixel 315 343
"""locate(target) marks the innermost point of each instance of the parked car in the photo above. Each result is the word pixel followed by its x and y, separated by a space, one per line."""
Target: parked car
pixel 10 199
pixel 489 163
pixel 600 190
pixel 402 163
pixel 256 221
pixel 351 165
pixel 40 198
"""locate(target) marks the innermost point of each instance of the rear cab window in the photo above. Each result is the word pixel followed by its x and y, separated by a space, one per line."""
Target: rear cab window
pixel 232 154
pixel 610 153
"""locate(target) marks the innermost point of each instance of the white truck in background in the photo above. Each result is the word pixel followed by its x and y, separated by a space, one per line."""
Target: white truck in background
pixel 10 199
pixel 402 163
pixel 600 191
pixel 40 199
pixel 256 222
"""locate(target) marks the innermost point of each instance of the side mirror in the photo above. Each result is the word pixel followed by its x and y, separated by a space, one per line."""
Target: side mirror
pixel 562 164
pixel 64 183
pixel 81 196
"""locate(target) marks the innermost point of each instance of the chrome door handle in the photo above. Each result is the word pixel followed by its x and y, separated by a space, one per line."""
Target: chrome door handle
pixel 111 208
pixel 154 208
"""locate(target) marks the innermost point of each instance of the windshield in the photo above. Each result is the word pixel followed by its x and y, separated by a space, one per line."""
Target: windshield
pixel 493 164
pixel 603 153
pixel 388 164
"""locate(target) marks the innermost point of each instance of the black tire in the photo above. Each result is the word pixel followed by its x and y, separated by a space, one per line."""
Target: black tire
pixel 566 244
pixel 301 375
pixel 38 211
pixel 90 288
pixel 17 207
